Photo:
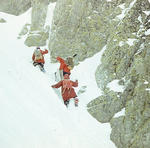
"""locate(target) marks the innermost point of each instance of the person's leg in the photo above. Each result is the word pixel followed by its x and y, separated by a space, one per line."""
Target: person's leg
pixel 76 100
pixel 61 74
pixel 35 63
pixel 41 66
pixel 66 103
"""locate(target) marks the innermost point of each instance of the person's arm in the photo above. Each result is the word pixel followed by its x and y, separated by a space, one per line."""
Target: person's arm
pixel 62 63
pixel 60 59
pixel 75 84
pixel 59 84
pixel 33 57
pixel 44 52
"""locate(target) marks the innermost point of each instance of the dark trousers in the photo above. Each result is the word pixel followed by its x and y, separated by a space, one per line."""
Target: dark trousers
pixel 76 100
pixel 66 103
pixel 66 73
pixel 41 64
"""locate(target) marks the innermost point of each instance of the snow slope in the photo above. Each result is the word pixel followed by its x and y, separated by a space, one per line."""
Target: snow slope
pixel 31 113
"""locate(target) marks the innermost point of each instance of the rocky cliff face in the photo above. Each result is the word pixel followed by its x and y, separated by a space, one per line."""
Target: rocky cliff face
pixel 77 28
pixel 2 20
pixel 84 27
pixel 14 7
pixel 37 32
pixel 127 60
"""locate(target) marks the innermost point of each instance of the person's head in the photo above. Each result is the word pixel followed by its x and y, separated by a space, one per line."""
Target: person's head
pixel 37 47
pixel 66 76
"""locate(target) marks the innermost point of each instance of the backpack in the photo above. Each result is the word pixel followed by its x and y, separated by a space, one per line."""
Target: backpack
pixel 70 63
pixel 67 84
pixel 38 54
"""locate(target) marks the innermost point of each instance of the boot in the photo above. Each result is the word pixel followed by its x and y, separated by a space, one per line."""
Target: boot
pixel 41 66
pixel 66 103
pixel 76 102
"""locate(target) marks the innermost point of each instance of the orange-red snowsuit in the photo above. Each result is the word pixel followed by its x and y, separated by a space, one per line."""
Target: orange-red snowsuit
pixel 63 65
pixel 41 60
pixel 67 93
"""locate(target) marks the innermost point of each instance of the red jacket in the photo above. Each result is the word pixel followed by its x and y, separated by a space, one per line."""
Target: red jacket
pixel 41 60
pixel 66 93
pixel 63 65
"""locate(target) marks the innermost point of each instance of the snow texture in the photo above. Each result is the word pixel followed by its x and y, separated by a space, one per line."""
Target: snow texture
pixel 147 32
pixel 125 10
pixel 147 12
pixel 32 115
pixel 146 82
pixel 121 113
pixel 108 0
pixel 130 41
pixel 115 86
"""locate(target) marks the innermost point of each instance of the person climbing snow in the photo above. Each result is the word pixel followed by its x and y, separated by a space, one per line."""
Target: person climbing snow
pixel 67 90
pixel 65 65
pixel 38 58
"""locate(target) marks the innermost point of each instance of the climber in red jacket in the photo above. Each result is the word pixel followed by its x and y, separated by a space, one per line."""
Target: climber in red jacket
pixel 38 58
pixel 67 90
pixel 63 66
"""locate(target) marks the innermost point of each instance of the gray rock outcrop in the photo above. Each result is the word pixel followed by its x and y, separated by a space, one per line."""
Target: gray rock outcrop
pixel 84 27
pixel 38 33
pixel 77 28
pixel 126 59
pixel 2 20
pixel 15 7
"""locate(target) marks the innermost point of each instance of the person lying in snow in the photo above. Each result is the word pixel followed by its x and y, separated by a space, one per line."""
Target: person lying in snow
pixel 38 58
pixel 67 90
